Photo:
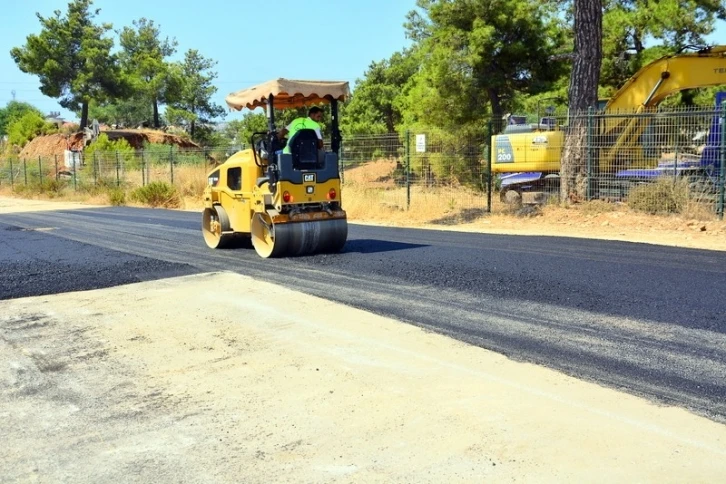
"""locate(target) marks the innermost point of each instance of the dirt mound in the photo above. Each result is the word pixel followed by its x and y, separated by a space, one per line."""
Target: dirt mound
pixel 137 138
pixel 373 174
pixel 56 144
pixel 52 145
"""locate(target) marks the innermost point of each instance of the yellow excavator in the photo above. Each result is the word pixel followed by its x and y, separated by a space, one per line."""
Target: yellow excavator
pixel 287 202
pixel 529 155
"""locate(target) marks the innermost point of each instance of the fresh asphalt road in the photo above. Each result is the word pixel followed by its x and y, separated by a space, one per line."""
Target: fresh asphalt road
pixel 645 319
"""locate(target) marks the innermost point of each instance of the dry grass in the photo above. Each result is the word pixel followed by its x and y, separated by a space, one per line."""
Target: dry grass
pixel 374 174
pixel 370 195
pixel 366 201
pixel 698 210
pixel 663 196
pixel 441 206
pixel 190 181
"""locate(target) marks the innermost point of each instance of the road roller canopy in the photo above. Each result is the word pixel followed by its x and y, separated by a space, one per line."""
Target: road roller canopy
pixel 288 93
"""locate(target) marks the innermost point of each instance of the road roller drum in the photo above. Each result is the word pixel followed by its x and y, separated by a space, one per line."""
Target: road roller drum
pixel 297 238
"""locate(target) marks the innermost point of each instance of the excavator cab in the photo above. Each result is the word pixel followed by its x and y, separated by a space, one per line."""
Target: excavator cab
pixel 287 204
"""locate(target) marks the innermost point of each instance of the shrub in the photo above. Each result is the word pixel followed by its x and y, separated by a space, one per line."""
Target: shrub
pixel 69 129
pixel 190 181
pixel 157 194
pixel 159 154
pixel 21 189
pixel 450 158
pixel 27 127
pixel 106 152
pixel 52 187
pixel 117 197
pixel 102 143
pixel 100 186
pixel 663 196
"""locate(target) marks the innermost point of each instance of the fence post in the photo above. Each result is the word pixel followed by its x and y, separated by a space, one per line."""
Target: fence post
pixel 171 163
pixel 40 170
pixel 118 170
pixel 675 156
pixel 143 167
pixel 204 159
pixel 94 161
pixel 148 171
pixel 408 169
pixel 75 176
pixel 722 163
pixel 12 181
pixel 25 171
pixel 341 163
pixel 55 160
pixel 588 142
pixel 488 144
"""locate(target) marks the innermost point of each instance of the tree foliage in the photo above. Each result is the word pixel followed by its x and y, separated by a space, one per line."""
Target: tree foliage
pixel 668 25
pixel 31 124
pixel 13 111
pixel 469 61
pixel 128 113
pixel 194 104
pixel 475 59
pixel 144 55
pixel 476 55
pixel 72 58
pixel 376 107
pixel 239 131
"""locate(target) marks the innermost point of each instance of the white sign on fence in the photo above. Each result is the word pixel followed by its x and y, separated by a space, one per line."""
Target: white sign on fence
pixel 420 143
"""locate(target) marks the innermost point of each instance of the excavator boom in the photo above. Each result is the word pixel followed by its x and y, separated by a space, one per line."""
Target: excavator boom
pixel 647 88
pixel 669 75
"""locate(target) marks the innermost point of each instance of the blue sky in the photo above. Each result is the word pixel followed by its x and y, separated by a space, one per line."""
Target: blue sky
pixel 311 39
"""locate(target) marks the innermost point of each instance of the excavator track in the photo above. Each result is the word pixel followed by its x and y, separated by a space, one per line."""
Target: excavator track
pixel 297 238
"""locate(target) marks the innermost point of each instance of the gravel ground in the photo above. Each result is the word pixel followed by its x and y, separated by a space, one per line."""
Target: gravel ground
pixel 198 379
pixel 184 375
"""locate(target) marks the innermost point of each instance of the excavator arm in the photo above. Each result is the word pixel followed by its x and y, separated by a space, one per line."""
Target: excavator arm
pixel 668 75
pixel 651 85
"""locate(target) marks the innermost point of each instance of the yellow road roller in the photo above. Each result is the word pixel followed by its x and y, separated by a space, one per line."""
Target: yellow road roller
pixel 284 195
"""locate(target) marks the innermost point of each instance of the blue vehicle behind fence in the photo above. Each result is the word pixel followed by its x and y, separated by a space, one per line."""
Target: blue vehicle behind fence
pixel 708 166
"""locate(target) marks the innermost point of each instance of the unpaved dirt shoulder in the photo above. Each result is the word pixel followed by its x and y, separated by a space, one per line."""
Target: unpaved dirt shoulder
pixel 220 378
pixel 19 205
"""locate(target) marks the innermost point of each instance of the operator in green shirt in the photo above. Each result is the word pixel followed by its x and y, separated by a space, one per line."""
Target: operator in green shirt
pixel 312 121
